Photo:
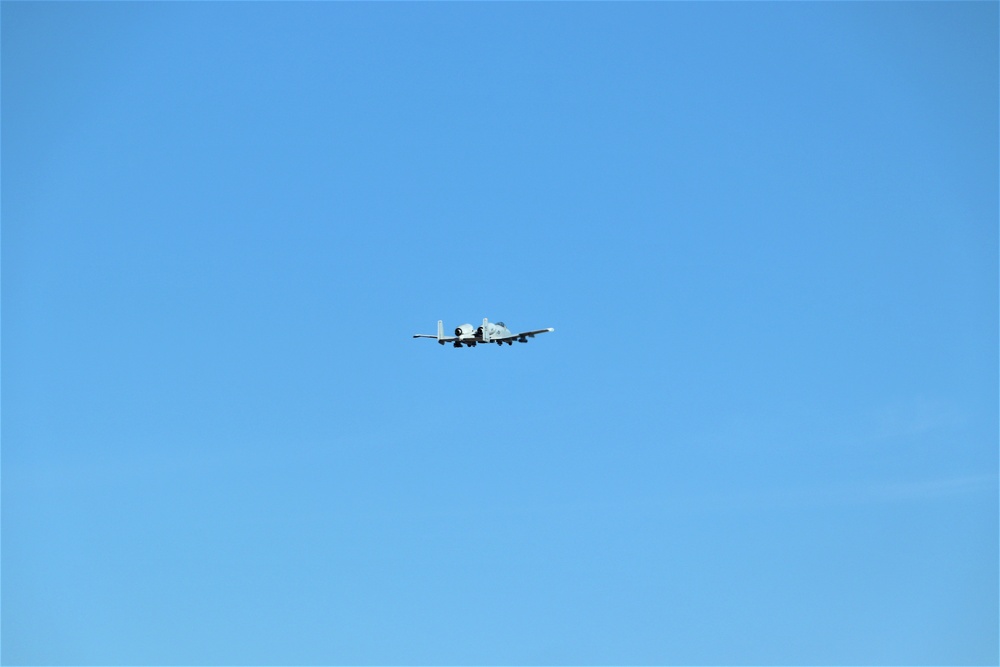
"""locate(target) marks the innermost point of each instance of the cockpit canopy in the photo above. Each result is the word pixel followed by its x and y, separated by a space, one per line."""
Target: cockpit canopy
pixel 501 324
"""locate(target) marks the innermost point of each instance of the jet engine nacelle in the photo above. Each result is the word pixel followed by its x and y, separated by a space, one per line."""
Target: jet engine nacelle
pixel 464 330
pixel 490 328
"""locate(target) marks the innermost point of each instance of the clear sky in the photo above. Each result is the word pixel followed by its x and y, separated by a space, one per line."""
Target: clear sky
pixel 765 430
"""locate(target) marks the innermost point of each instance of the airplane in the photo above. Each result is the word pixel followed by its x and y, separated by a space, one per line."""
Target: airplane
pixel 488 333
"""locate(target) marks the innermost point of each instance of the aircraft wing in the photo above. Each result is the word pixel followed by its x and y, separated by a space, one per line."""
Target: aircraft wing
pixel 446 339
pixel 523 336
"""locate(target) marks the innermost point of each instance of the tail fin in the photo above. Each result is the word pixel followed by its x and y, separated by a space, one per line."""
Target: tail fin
pixel 486 331
pixel 440 330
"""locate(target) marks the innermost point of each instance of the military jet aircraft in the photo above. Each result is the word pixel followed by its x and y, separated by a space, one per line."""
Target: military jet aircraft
pixel 488 333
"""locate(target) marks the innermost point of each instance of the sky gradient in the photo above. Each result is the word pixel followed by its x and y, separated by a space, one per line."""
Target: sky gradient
pixel 764 431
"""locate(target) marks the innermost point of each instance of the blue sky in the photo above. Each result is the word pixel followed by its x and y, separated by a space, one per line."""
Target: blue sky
pixel 763 432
